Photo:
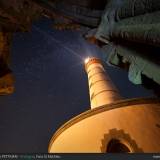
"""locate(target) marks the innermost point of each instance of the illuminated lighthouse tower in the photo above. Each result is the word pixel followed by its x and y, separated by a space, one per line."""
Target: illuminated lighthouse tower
pixel 112 124
pixel 102 90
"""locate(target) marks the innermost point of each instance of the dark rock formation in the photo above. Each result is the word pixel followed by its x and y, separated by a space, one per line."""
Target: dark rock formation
pixel 127 31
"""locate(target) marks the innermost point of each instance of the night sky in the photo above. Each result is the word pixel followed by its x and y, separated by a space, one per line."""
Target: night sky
pixel 51 86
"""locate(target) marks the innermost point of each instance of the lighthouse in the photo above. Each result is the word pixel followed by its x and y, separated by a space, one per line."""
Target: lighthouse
pixel 112 124
pixel 101 89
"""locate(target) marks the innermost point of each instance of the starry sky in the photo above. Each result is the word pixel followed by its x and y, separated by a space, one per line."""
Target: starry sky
pixel 51 86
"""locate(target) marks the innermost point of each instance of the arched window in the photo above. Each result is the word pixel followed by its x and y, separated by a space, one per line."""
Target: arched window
pixel 116 146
